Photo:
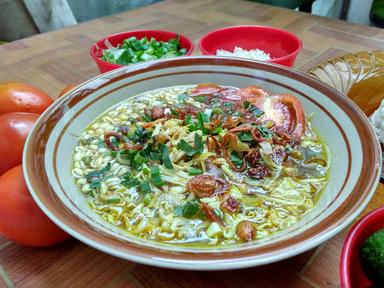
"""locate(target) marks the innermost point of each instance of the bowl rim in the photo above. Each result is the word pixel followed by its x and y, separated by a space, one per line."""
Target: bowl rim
pixel 293 36
pixel 350 243
pixel 94 47
pixel 156 257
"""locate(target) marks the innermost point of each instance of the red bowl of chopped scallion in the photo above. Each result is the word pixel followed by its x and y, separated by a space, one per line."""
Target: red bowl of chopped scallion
pixel 132 47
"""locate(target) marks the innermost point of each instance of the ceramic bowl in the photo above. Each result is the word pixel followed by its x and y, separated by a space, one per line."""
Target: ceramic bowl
pixel 351 272
pixel 353 176
pixel 358 75
pixel 281 45
pixel 116 39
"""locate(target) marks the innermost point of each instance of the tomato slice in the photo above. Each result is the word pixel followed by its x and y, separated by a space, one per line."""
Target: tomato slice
pixel 292 117
pixel 284 110
pixel 252 94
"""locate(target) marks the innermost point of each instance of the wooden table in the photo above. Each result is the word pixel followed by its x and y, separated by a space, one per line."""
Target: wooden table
pixel 56 59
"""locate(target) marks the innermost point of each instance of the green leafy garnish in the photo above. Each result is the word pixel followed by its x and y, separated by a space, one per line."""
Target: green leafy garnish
pixel 228 106
pixel 188 210
pixel 146 118
pixel 245 136
pixel 198 141
pixel 246 104
pixel 139 158
pixel 129 181
pixel 155 155
pixel 94 178
pixel 265 132
pixel 147 198
pixel 215 102
pixel 201 98
pixel 236 160
pixel 139 135
pixel 174 112
pixel 135 50
pixel 194 171
pixel 100 143
pixel 112 200
pixel 201 119
pixel 253 109
pixel 156 176
pixel 165 157
pixel 190 123
pixel 145 187
pixel 188 149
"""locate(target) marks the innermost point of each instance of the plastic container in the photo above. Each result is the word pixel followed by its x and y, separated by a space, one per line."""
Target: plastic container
pixel 159 35
pixel 351 273
pixel 282 45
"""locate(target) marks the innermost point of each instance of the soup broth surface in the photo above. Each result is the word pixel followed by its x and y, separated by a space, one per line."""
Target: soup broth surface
pixel 202 165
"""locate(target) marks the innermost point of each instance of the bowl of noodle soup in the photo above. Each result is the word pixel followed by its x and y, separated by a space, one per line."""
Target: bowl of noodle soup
pixel 202 163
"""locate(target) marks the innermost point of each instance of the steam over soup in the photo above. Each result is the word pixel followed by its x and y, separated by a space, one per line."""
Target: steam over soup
pixel 202 165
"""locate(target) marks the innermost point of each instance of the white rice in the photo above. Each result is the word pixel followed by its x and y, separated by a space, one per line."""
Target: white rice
pixel 256 54
pixel 377 120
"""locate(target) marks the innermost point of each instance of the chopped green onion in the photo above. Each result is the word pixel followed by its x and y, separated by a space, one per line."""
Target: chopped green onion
pixel 113 200
pixel 198 142
pixel 188 210
pixel 129 181
pixel 194 171
pixel 147 198
pixel 145 187
pixel 253 109
pixel 201 119
pixel 265 132
pixel 140 158
pixel 246 104
pixel 215 102
pixel 155 155
pixel 165 157
pixel 174 112
pixel 146 118
pixel 188 149
pixel 156 176
pixel 256 111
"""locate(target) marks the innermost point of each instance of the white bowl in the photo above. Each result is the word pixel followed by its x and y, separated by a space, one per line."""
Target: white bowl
pixel 353 174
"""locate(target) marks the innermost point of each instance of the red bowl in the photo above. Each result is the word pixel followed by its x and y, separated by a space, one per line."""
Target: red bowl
pixel 351 273
pixel 159 35
pixel 282 45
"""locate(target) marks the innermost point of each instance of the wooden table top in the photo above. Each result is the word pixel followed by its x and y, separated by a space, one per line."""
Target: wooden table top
pixel 55 59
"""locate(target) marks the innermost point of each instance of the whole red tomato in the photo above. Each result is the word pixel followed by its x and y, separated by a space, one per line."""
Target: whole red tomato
pixel 21 220
pixel 21 97
pixel 14 128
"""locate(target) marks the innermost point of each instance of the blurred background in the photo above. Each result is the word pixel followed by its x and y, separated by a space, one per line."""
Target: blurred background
pixel 22 18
